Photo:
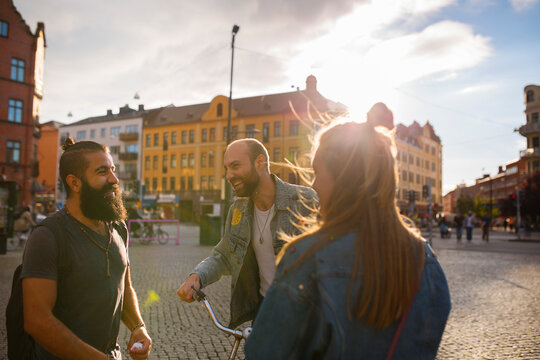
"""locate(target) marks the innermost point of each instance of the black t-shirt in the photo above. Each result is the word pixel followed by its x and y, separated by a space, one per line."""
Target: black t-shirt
pixel 88 303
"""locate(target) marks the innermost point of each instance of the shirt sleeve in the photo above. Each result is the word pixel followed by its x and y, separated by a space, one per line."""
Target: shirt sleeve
pixel 40 255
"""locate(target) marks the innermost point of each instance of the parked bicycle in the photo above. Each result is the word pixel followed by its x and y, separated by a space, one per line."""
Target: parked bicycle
pixel 238 335
pixel 146 233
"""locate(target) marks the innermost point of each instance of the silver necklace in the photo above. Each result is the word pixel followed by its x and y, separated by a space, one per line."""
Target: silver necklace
pixel 264 226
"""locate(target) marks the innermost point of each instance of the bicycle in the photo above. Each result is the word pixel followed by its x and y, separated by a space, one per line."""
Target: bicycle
pixel 238 335
pixel 147 233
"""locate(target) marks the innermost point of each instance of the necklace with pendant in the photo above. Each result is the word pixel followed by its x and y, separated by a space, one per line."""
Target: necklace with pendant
pixel 95 242
pixel 264 226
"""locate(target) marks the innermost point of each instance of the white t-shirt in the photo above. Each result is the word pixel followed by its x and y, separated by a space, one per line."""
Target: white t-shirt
pixel 262 245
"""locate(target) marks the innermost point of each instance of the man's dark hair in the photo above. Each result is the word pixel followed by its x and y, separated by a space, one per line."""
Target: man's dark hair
pixel 73 160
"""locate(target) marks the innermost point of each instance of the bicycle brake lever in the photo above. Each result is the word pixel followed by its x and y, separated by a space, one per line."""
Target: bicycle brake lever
pixel 198 294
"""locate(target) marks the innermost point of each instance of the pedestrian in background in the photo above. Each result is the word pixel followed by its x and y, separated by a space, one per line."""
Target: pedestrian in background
pixel 360 279
pixel 458 223
pixel 486 222
pixel 266 207
pixel 470 221
pixel 24 222
pixel 76 274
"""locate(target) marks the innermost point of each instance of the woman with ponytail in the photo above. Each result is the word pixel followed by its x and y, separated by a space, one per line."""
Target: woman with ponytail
pixel 359 283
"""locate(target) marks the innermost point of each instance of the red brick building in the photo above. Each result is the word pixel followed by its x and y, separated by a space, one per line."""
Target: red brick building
pixel 22 54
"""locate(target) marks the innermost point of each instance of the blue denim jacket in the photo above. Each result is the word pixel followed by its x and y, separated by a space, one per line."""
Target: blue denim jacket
pixel 304 313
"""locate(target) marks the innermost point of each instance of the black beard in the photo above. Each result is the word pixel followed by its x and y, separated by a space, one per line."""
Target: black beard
pixel 251 181
pixel 95 205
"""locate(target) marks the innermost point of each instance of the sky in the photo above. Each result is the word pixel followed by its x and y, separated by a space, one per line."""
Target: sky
pixel 459 64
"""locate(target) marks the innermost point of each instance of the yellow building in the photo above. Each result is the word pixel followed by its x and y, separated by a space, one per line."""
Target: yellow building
pixel 183 147
pixel 419 162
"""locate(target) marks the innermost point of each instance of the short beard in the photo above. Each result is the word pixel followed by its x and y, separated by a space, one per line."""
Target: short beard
pixel 95 205
pixel 251 181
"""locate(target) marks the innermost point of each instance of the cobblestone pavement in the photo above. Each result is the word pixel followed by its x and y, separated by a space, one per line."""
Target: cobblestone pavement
pixel 495 289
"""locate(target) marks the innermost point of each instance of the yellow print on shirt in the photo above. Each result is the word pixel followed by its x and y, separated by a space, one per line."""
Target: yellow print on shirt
pixel 236 217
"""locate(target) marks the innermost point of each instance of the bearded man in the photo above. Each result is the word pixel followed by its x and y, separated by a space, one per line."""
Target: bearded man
pixel 266 208
pixel 75 277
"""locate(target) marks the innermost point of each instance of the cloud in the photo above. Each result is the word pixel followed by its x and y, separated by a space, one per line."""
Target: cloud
pixel 478 88
pixel 521 5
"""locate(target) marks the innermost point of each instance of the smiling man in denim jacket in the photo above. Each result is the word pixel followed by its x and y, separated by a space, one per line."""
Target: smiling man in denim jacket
pixel 265 207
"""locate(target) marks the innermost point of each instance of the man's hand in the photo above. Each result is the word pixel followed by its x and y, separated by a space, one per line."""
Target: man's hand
pixel 185 292
pixel 139 335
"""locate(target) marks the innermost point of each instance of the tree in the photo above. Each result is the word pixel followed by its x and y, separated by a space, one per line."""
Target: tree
pixel 464 204
pixel 530 201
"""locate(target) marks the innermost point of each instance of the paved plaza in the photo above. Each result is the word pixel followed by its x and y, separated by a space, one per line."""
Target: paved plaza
pixel 495 289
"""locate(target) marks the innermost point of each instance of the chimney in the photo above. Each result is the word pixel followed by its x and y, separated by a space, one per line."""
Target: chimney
pixel 500 169
pixel 141 107
pixel 109 112
pixel 311 83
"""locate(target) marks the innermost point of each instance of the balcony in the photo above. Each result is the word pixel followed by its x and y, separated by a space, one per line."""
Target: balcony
pixel 127 175
pixel 531 152
pixel 128 136
pixel 126 156
pixel 529 128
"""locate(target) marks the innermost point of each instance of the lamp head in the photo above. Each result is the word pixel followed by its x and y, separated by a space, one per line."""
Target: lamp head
pixel 235 29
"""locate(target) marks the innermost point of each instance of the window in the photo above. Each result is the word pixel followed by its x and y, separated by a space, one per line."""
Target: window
pixel 148 140
pixel 203 182
pixel 155 162
pixel 183 161
pixel 164 163
pixel 234 133
pixel 17 69
pixel 63 137
pixel 433 151
pixel 165 139
pixel 212 134
pixel 219 110
pixel 411 159
pixel 535 142
pixel 182 183
pixel 418 179
pixel 277 154
pixel 417 161
pixel 156 139
pixel 103 132
pixel 184 137
pixel 404 175
pixel 293 127
pixel 173 183
pixel 411 177
pixel 433 166
pixel 147 163
pixel 191 161
pixel 530 96
pixel 277 128
pixel 266 132
pixel 132 129
pixel 163 183
pixel 191 136
pixel 427 164
pixel 427 148
pixel 204 135
pixel 173 138
pixel 534 117
pixel 92 133
pixel 203 160
pixel 173 161
pixel 154 183
pixel 13 154
pixel 4 27
pixel 250 131
pixel 115 131
pixel 211 182
pixel 146 184
pixel 190 182
pixel 15 111
pixel 81 134
pixel 293 154
pixel 132 148
pixel 211 159
pixel 115 149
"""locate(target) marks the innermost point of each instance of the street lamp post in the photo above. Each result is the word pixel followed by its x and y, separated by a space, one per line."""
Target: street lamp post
pixel 229 135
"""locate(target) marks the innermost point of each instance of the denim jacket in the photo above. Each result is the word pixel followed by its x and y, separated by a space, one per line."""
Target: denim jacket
pixel 304 313
pixel 234 254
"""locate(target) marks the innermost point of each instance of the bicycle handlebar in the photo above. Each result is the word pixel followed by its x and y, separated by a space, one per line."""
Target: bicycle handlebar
pixel 201 297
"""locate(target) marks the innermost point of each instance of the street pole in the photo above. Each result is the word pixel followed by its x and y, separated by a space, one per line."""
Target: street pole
pixel 430 225
pixel 490 206
pixel 226 201
pixel 518 215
